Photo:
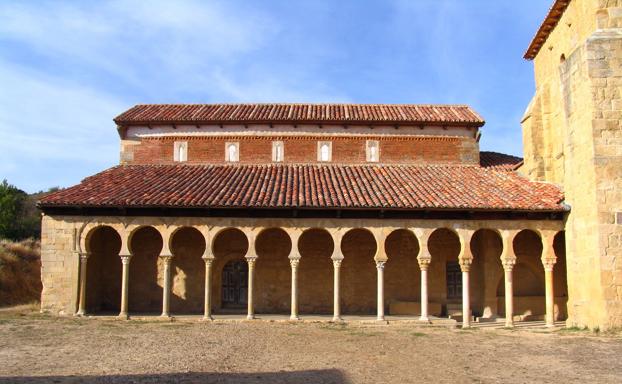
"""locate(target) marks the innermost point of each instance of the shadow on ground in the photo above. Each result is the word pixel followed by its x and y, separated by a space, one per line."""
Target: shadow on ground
pixel 333 376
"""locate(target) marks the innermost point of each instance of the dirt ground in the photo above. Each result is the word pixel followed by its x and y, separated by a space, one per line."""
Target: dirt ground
pixel 42 348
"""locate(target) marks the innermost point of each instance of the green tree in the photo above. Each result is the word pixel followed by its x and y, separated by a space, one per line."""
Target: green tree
pixel 12 201
pixel 19 216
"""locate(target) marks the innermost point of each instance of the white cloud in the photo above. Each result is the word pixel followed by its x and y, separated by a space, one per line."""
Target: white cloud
pixel 67 68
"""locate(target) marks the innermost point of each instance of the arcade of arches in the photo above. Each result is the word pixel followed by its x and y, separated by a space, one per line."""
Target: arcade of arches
pixel 427 272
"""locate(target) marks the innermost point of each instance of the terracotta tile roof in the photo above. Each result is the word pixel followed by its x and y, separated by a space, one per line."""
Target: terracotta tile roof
pixel 499 161
pixel 548 24
pixel 309 186
pixel 300 113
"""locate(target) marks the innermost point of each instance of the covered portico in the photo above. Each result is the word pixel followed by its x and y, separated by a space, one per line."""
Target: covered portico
pixel 486 269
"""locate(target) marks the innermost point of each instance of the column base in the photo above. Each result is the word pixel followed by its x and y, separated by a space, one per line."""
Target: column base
pixel 424 319
pixel 80 314
pixel 123 316
pixel 207 318
pixel 166 315
pixel 294 318
pixel 337 319
pixel 250 317
pixel 549 325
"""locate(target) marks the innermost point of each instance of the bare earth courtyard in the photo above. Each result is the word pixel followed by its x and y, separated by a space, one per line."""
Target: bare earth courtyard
pixel 42 348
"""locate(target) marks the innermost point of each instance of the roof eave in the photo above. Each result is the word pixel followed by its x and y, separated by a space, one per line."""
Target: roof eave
pixel 548 24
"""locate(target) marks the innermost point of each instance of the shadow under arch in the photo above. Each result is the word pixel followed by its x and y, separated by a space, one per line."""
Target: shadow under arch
pixel 445 277
pixel 146 271
pixel 358 272
pixel 560 277
pixel 103 273
pixel 273 271
pixel 187 245
pixel 402 277
pixel 229 245
pixel 527 276
pixel 486 270
pixel 315 272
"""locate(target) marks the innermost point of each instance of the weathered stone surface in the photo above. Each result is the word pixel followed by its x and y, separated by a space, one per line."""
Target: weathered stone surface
pixel 571 133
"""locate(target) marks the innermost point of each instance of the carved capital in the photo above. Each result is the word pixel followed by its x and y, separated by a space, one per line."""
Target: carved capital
pixel 337 263
pixel 508 264
pixel 251 261
pixel 208 260
pixel 166 258
pixel 424 263
pixel 294 261
pixel 549 264
pixel 465 264
pixel 380 265
pixel 125 259
pixel 84 256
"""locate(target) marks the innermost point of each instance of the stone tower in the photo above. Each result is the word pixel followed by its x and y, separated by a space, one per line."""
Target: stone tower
pixel 572 134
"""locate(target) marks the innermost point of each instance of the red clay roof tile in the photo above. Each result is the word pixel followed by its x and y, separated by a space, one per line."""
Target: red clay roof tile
pixel 309 186
pixel 499 161
pixel 300 113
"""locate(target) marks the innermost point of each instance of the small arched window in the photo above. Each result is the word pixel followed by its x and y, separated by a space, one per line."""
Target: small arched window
pixel 180 151
pixel 373 151
pixel 278 152
pixel 324 151
pixel 232 152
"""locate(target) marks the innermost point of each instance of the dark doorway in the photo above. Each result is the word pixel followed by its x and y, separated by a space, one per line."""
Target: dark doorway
pixel 454 281
pixel 235 284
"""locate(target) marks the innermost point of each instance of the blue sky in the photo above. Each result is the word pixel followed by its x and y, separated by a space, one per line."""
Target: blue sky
pixel 68 67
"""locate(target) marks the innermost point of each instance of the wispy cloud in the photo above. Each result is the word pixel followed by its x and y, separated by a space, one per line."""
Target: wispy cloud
pixel 67 68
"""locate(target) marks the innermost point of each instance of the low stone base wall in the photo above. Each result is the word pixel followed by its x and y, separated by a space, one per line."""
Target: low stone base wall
pixel 533 307
pixel 413 308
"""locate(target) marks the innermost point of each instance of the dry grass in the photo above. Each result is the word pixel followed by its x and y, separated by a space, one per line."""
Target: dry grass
pixel 20 272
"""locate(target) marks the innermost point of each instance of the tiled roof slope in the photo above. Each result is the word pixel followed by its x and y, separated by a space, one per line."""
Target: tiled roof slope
pixel 499 161
pixel 548 24
pixel 300 113
pixel 309 186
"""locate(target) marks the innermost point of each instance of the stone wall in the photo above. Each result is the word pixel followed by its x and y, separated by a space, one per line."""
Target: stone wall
pixel 573 137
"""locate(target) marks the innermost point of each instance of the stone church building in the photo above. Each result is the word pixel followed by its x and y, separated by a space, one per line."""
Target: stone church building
pixel 340 210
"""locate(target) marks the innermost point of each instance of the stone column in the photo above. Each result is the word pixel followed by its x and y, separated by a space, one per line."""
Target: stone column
pixel 294 308
pixel 336 295
pixel 424 264
pixel 166 291
pixel 251 277
pixel 508 266
pixel 125 260
pixel 207 314
pixel 380 268
pixel 549 264
pixel 465 267
pixel 84 257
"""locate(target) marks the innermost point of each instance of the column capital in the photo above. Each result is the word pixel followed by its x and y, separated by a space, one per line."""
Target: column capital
pixel 508 264
pixel 166 258
pixel 208 259
pixel 424 263
pixel 337 262
pixel 294 261
pixel 251 260
pixel 465 264
pixel 549 263
pixel 84 255
pixel 125 259
pixel 380 264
